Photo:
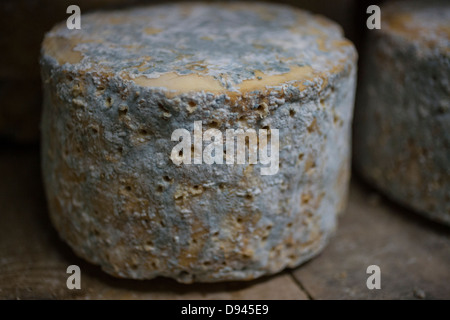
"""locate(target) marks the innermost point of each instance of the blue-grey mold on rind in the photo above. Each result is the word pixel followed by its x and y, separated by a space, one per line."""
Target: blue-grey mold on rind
pixel 116 90
pixel 402 122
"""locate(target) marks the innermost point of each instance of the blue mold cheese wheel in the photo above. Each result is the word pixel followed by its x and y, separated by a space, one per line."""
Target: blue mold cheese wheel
pixel 402 123
pixel 115 92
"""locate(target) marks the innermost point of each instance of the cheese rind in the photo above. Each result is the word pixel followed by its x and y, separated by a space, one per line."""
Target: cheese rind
pixel 271 40
pixel 115 92
pixel 402 136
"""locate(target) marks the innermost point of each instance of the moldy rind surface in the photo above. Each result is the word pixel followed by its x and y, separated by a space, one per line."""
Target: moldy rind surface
pixel 116 90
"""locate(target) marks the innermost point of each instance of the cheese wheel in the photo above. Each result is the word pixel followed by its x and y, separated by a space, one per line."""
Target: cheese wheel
pixel 402 124
pixel 115 92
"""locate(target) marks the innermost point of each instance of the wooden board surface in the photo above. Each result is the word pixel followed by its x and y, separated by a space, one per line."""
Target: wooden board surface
pixel 413 253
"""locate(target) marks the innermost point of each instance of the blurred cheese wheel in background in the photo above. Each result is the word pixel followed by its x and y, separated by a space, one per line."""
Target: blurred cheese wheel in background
pixel 402 121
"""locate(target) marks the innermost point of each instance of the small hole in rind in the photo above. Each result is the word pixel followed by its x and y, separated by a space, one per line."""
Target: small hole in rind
pixel 123 110
pixel 109 102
